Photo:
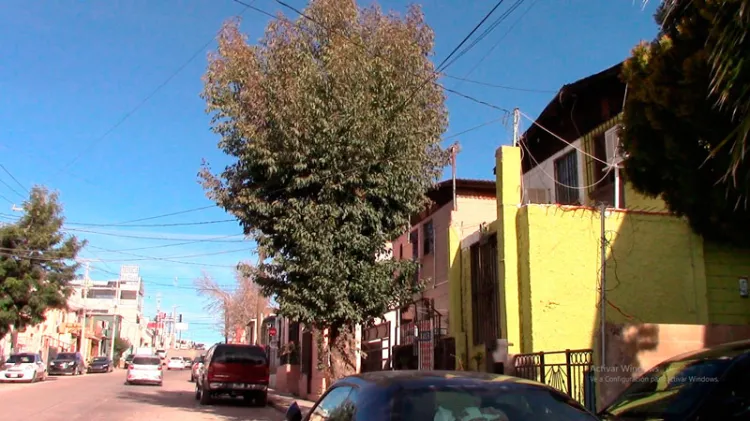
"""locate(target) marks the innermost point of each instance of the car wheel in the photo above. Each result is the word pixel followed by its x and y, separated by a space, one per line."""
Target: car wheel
pixel 205 398
pixel 262 399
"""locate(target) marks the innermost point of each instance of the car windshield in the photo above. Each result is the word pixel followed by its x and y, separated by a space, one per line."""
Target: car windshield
pixel 20 359
pixel 669 389
pixel 146 361
pixel 65 356
pixel 176 358
pixel 494 402
pixel 251 355
pixel 100 359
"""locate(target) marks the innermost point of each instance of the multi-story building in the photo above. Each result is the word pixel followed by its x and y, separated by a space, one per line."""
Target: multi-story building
pixel 457 210
pixel 47 338
pixel 116 304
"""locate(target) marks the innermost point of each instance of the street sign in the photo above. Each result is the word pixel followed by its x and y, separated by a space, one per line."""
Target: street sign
pixel 272 331
pixel 180 327
pixel 425 336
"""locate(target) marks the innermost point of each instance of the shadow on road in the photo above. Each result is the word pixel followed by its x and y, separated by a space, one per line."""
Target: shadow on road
pixel 229 409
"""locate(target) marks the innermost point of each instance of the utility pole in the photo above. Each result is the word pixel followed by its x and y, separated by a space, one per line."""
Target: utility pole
pixel 86 281
pixel 173 325
pixel 226 321
pixel 454 150
pixel 158 319
pixel 113 330
pixel 603 283
pixel 516 125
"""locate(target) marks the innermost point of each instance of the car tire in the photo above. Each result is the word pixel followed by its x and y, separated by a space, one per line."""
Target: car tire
pixel 205 398
pixel 262 400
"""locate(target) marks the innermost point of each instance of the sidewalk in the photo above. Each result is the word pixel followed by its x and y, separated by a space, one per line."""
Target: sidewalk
pixel 282 401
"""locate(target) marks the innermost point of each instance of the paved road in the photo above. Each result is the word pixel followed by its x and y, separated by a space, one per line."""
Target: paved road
pixel 106 397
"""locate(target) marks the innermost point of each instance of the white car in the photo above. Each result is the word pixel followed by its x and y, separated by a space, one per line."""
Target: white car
pixel 145 369
pixel 176 363
pixel 23 367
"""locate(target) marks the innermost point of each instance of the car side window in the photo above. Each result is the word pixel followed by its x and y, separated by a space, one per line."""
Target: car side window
pixel 332 405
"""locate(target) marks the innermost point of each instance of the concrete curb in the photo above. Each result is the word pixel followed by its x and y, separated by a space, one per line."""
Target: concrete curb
pixel 277 405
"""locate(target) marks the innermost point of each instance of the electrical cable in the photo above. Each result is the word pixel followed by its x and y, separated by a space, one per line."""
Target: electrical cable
pixel 495 45
pixel 410 97
pixel 139 105
pixel 558 137
pixel 14 178
pixel 11 188
pixel 487 31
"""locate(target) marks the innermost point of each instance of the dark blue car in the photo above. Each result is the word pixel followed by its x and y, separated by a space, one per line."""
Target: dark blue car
pixel 440 396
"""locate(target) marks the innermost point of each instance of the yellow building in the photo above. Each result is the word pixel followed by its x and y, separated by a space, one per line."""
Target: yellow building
pixel 533 276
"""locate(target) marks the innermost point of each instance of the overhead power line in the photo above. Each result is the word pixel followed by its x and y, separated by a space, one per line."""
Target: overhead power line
pixel 497 43
pixel 140 104
pixel 14 178
pixel 481 36
pixel 364 48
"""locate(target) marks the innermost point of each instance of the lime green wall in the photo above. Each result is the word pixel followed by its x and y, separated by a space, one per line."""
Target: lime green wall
pixel 549 259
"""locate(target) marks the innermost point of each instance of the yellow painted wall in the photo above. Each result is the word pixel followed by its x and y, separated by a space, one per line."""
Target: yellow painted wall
pixel 658 271
pixel 724 266
pixel 653 266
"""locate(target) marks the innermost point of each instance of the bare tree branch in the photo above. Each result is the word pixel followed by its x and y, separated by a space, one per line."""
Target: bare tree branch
pixel 239 306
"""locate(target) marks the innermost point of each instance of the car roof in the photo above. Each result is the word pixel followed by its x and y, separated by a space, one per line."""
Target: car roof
pixel 416 378
pixel 728 350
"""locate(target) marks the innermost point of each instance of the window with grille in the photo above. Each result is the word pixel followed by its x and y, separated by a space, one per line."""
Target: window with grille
pixel 429 238
pixel 566 179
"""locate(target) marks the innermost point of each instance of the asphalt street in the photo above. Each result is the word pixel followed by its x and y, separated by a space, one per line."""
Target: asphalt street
pixel 106 397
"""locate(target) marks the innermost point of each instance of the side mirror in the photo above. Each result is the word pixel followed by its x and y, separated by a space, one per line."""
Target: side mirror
pixel 293 413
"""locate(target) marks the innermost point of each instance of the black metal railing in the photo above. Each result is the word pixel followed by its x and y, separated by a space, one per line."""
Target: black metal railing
pixel 568 371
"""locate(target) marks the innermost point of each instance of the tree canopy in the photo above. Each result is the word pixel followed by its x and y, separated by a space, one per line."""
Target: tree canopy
pixel 37 261
pixel 671 126
pixel 334 123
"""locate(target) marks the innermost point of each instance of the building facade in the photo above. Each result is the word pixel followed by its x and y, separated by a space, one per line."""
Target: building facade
pixel 117 305
pixel 558 284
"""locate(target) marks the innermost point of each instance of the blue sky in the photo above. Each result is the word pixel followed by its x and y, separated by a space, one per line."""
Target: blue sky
pixel 73 72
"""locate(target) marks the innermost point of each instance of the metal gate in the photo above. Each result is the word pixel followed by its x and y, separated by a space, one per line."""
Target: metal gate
pixel 569 371
pixel 376 345
pixel 445 354
pixel 307 357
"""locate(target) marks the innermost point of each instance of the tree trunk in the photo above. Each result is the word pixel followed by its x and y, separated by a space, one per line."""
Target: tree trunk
pixel 342 346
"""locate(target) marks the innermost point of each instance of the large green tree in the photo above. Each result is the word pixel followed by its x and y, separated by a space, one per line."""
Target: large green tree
pixel 728 45
pixel 334 124
pixel 37 261
pixel 671 126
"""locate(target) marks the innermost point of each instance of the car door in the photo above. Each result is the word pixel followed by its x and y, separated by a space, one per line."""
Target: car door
pixel 336 405
pixel 41 368
pixel 730 400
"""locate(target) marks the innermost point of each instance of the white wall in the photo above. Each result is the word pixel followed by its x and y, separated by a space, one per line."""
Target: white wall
pixel 543 175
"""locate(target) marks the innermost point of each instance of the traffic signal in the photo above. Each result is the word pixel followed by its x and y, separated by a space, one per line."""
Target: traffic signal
pixel 180 318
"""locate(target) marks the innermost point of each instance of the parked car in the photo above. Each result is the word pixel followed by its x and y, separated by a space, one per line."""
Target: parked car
pixel 67 363
pixel 128 360
pixel 710 384
pixel 176 363
pixel 145 369
pixel 196 368
pixel 234 370
pixel 23 367
pixel 100 365
pixel 441 396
